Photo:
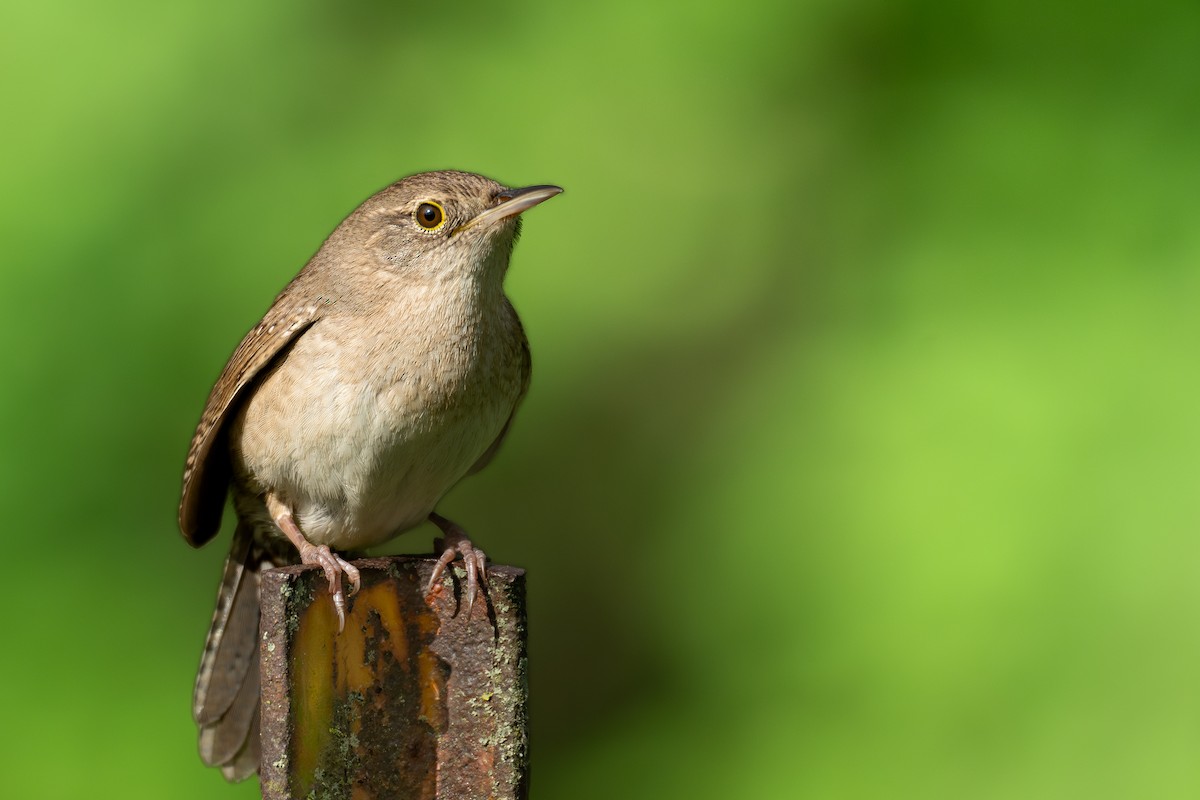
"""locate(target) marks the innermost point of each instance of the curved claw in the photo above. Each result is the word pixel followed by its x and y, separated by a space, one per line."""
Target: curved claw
pixel 352 575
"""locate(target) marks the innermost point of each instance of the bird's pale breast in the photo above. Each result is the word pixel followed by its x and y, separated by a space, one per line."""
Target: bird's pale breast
pixel 364 434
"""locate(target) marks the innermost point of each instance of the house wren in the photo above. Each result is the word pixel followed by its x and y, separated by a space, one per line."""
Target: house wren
pixel 386 371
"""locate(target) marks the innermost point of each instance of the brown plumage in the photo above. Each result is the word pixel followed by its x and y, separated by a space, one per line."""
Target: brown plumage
pixel 387 370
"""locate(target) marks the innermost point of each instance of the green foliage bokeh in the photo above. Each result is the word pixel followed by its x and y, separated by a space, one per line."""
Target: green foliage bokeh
pixel 861 453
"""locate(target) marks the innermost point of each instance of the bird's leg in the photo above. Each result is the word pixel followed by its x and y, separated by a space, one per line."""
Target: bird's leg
pixel 456 543
pixel 320 555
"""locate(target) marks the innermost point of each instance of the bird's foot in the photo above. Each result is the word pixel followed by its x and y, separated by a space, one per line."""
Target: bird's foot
pixel 320 555
pixel 454 544
pixel 334 568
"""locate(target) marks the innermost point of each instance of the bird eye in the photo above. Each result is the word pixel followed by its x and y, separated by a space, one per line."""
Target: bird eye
pixel 430 216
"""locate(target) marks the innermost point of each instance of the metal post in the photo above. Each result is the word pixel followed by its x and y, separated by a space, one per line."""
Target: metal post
pixel 414 699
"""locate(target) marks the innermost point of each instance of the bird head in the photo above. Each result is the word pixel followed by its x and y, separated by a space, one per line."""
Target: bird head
pixel 443 225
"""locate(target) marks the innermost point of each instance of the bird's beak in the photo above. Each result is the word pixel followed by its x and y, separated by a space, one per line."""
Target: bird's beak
pixel 511 202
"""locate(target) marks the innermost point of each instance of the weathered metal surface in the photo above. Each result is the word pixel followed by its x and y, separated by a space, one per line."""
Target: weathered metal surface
pixel 415 699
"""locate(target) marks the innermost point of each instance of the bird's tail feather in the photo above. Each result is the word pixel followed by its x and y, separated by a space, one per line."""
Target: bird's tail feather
pixel 226 700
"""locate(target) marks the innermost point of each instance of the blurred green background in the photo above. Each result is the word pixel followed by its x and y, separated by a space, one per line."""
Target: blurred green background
pixel 862 450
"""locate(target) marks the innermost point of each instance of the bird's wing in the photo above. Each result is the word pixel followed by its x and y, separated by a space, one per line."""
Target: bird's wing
pixel 207 472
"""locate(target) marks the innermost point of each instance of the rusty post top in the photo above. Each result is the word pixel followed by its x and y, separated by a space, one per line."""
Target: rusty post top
pixel 414 699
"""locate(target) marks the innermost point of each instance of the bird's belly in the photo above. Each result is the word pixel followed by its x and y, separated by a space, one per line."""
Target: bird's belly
pixel 372 495
pixel 362 461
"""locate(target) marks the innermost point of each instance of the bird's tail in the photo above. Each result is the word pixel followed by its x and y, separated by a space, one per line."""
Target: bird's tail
pixel 226 701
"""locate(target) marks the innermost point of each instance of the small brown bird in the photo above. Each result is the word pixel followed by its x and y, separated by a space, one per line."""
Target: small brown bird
pixel 386 371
